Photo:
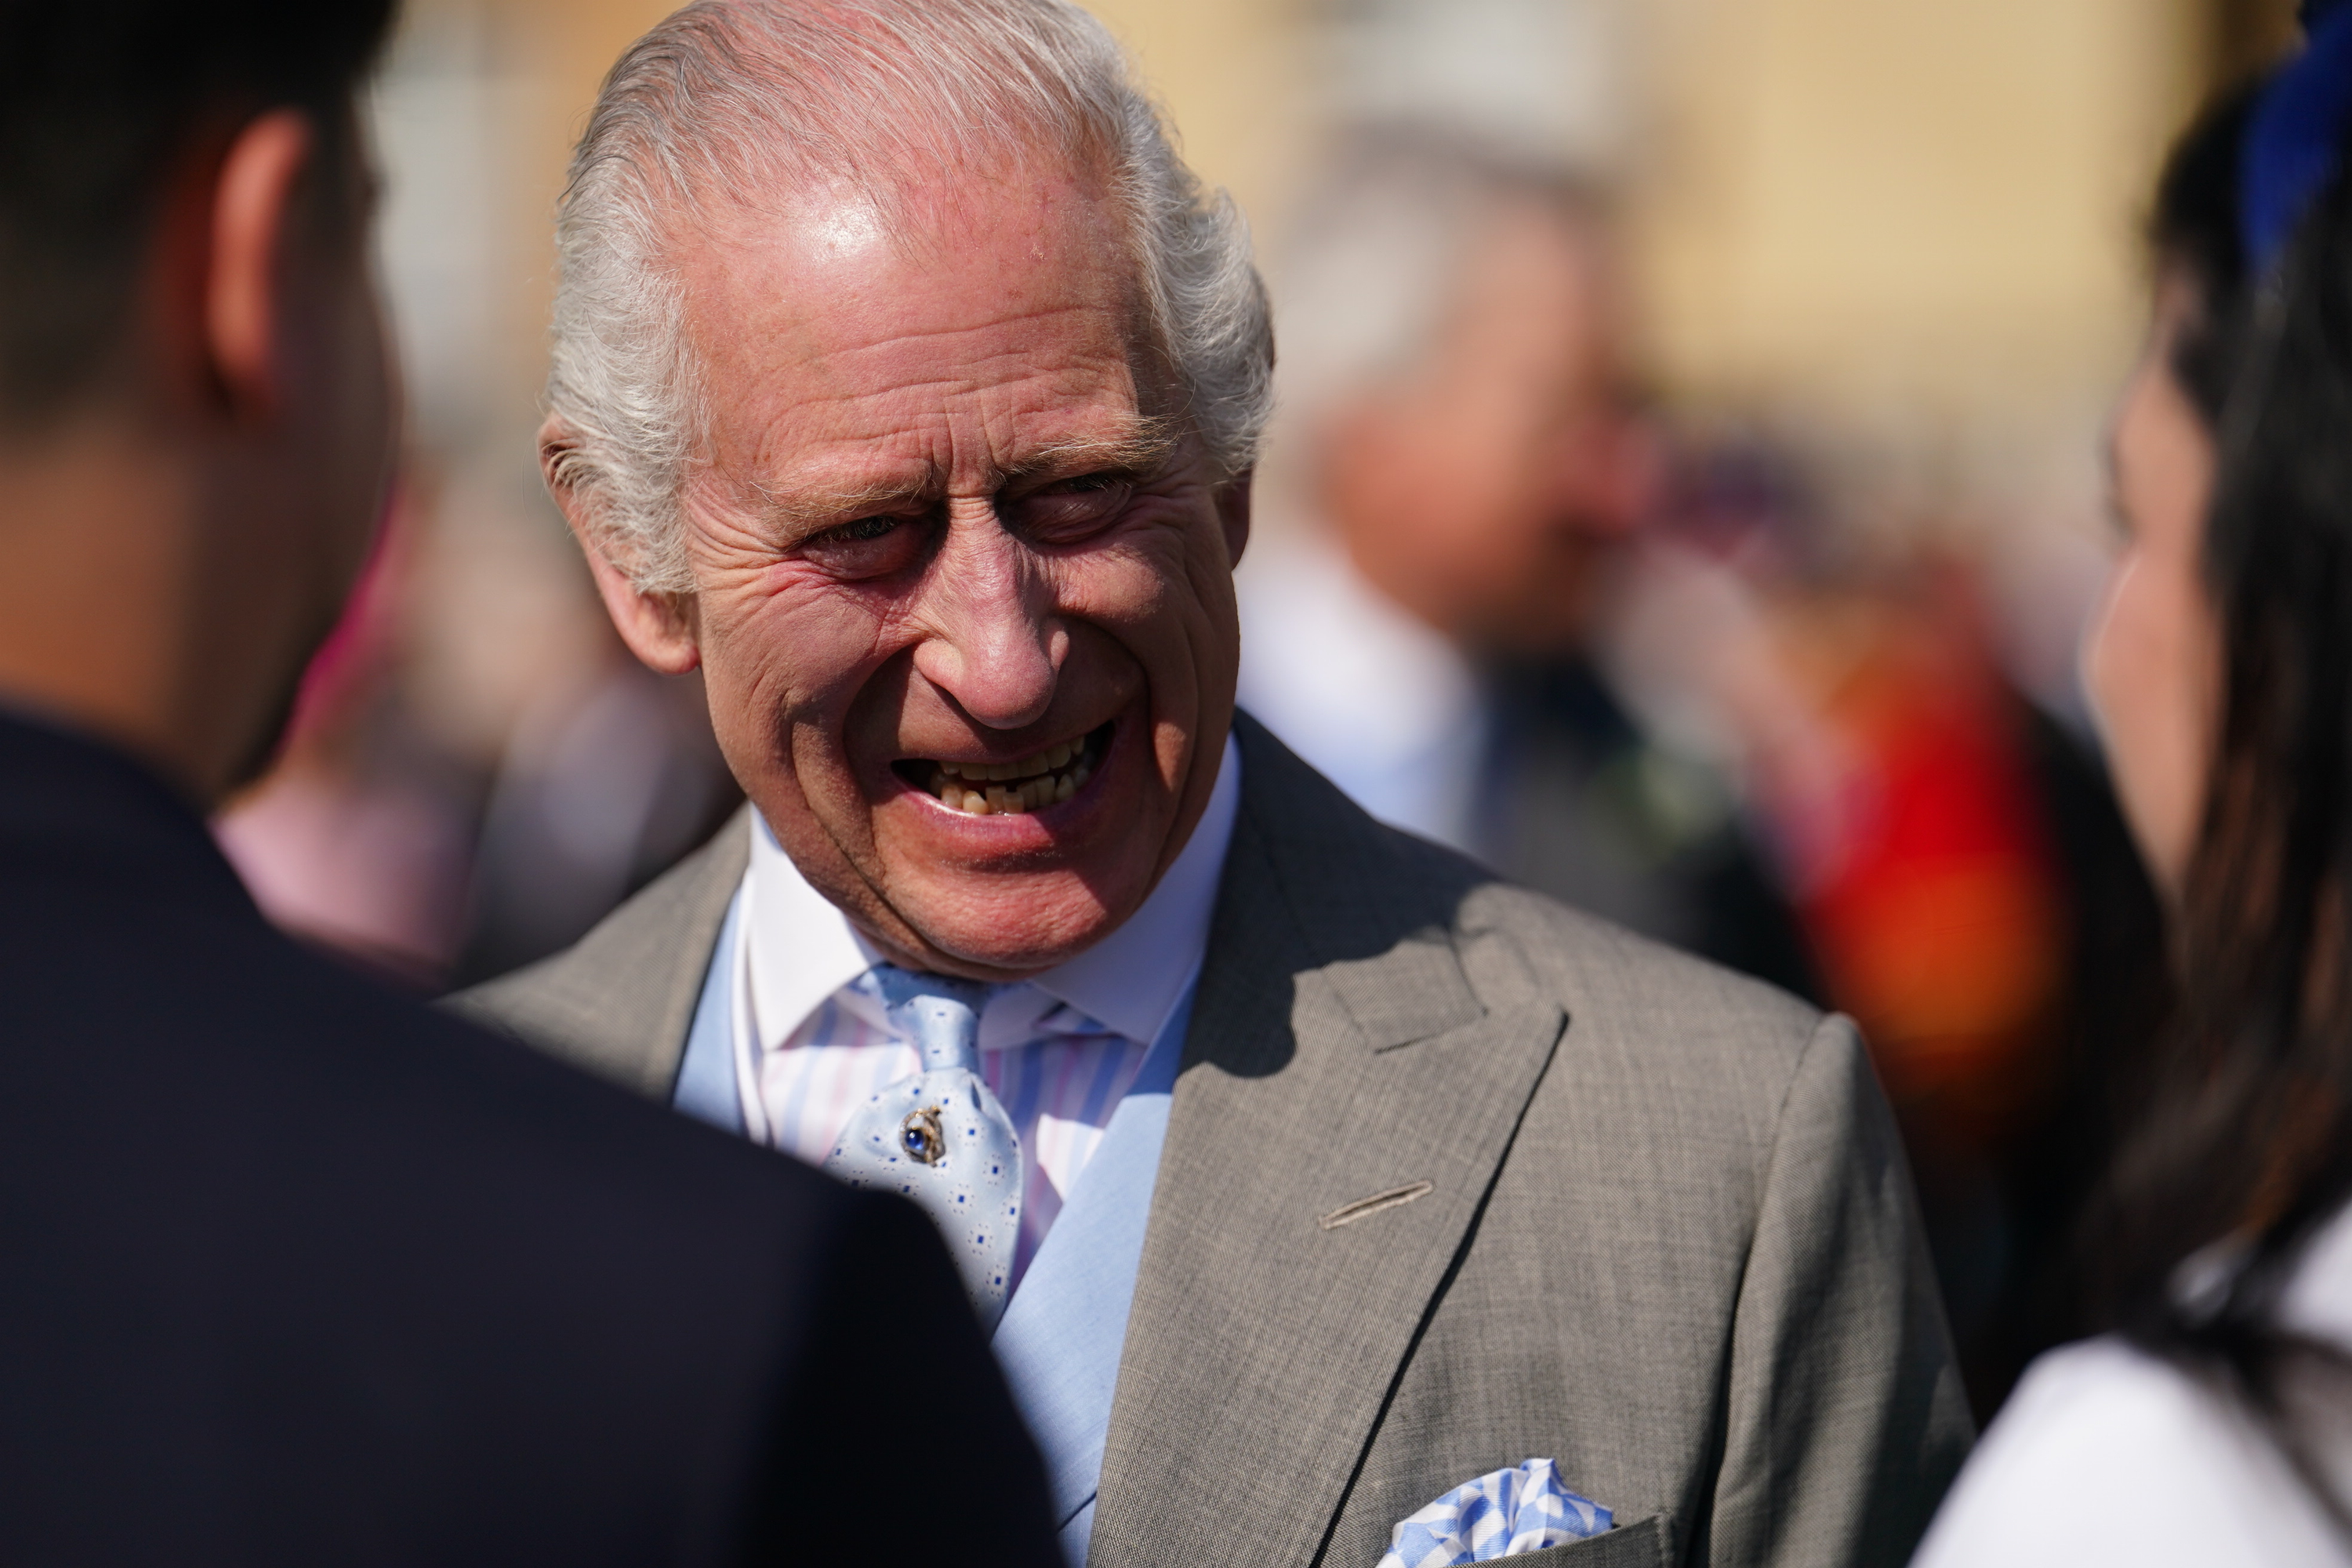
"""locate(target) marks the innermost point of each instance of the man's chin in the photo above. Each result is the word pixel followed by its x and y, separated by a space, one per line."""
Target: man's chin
pixel 1008 933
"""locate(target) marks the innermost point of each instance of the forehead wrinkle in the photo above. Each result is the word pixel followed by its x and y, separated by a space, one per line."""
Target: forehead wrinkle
pixel 948 374
pixel 812 381
pixel 722 269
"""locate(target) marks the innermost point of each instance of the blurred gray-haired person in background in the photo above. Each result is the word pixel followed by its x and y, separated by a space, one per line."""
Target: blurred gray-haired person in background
pixel 1464 462
pixel 908 386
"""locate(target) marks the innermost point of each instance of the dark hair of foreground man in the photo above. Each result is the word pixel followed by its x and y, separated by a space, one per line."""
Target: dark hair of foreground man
pixel 294 1271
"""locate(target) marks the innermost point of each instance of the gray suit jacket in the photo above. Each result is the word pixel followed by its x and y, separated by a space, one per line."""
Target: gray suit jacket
pixel 1456 1177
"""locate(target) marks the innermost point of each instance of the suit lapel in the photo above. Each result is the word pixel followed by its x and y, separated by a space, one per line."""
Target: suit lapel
pixel 1345 1103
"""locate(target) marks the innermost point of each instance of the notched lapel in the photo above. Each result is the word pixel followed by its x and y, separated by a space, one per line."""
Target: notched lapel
pixel 1262 1344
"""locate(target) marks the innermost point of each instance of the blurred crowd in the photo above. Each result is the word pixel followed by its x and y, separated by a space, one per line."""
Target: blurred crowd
pixel 1715 676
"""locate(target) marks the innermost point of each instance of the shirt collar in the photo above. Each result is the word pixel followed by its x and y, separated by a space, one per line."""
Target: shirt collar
pixel 802 949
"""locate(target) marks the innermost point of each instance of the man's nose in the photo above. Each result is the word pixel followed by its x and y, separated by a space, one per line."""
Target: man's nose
pixel 993 645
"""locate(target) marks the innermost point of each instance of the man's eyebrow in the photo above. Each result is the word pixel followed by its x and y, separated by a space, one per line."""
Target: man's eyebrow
pixel 807 509
pixel 1139 449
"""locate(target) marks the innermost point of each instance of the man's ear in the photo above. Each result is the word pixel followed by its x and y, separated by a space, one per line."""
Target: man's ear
pixel 247 271
pixel 1233 513
pixel 658 627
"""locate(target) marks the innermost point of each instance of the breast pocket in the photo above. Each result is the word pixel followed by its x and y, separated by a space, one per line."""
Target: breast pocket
pixel 1641 1545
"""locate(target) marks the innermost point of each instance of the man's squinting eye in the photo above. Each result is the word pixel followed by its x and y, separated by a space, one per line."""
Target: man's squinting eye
pixel 1071 510
pixel 868 547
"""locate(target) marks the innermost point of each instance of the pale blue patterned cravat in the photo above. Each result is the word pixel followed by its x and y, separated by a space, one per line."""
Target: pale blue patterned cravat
pixel 940 1137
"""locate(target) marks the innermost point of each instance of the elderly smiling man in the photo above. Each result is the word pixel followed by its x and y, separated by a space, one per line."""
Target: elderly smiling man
pixel 908 387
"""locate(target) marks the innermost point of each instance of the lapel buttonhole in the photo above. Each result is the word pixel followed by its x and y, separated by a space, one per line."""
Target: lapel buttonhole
pixel 1395 1197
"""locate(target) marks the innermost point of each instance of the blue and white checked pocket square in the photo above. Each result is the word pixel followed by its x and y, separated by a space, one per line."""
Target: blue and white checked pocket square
pixel 1502 1515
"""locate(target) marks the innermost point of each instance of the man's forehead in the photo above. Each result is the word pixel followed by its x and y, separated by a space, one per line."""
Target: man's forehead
pixel 1002 335
pixel 945 251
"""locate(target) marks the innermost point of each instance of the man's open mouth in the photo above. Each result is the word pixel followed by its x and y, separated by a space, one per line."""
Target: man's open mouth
pixel 1025 784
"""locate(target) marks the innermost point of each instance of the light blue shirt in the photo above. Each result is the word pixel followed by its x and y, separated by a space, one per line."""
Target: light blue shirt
pixel 1062 1334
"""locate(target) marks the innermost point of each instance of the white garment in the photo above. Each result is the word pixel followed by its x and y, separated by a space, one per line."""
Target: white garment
pixel 1381 705
pixel 2105 1455
pixel 1059 1051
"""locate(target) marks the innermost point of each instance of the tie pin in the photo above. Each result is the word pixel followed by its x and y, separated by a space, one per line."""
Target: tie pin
pixel 921 1136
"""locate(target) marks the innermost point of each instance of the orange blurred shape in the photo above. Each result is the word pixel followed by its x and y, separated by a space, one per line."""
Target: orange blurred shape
pixel 1939 921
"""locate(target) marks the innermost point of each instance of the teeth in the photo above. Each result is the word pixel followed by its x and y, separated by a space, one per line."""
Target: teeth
pixel 1028 784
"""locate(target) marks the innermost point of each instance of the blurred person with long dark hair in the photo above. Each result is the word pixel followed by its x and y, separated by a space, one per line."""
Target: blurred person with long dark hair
pixel 2215 1424
pixel 292 1270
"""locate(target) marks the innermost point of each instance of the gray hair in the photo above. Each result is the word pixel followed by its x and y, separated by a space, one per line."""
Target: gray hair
pixel 1375 253
pixel 728 96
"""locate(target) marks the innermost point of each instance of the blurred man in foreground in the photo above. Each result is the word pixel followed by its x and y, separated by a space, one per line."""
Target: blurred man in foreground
pixel 1463 469
pixel 295 1272
pixel 1315 1182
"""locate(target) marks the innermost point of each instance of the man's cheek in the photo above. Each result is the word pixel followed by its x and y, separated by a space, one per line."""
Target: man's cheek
pixel 800 645
pixel 1144 587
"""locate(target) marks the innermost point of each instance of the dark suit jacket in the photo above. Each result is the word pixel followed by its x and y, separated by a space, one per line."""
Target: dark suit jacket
pixel 1456 1177
pixel 294 1271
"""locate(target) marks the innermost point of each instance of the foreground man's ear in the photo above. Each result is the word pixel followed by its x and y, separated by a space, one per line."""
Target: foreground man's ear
pixel 658 627
pixel 243 304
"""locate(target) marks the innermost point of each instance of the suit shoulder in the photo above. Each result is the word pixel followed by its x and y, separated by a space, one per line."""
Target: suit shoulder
pixel 1695 1057
pixel 512 1094
pixel 287 1040
pixel 617 1002
pixel 1579 955
pixel 1371 888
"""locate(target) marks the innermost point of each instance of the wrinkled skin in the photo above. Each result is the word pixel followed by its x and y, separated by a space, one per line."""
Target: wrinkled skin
pixel 2153 660
pixel 944 515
